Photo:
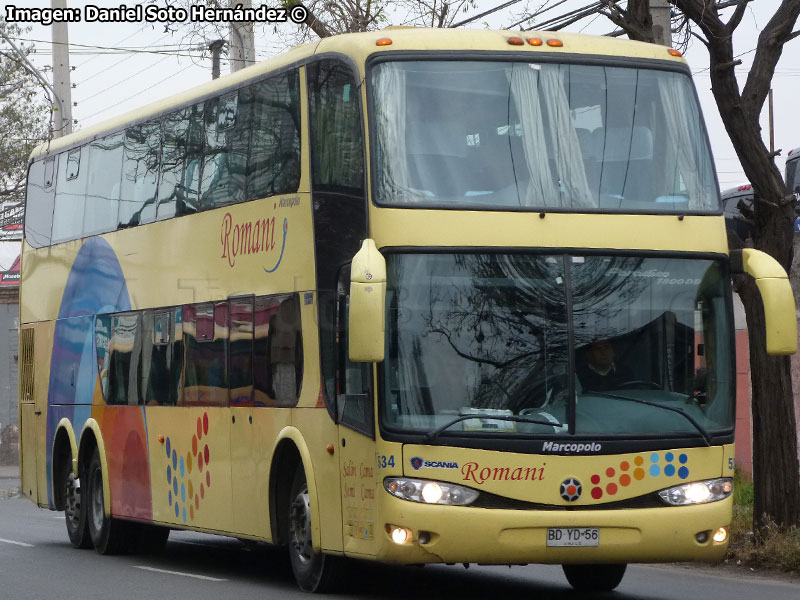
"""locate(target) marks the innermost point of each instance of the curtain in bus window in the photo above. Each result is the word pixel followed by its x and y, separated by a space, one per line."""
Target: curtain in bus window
pixel 142 155
pixel 156 358
pixel 124 360
pixel 536 89
pixel 70 195
pixel 225 152
pixel 241 350
pixel 265 309
pixel 688 141
pixel 102 344
pixel 390 114
pixel 286 352
pixel 205 338
pixel 273 166
pixel 336 143
pixel 40 199
pixel 103 188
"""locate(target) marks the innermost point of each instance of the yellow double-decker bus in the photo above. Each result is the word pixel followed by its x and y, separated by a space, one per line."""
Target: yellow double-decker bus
pixel 413 296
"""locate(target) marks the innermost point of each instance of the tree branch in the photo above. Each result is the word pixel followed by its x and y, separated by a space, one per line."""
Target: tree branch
pixel 736 18
pixel 770 46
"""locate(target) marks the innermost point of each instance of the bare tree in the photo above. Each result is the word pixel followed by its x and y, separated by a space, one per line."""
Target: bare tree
pixel 23 119
pixel 775 464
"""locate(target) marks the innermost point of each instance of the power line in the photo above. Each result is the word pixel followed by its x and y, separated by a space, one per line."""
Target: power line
pixel 112 50
pixel 113 85
pixel 139 92
pixel 485 13
pixel 117 44
pixel 541 10
pixel 115 64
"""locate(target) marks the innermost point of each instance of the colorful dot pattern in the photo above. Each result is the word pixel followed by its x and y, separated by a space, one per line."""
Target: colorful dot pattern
pixel 623 474
pixel 184 495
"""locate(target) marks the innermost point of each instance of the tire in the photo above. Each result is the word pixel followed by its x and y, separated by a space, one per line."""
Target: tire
pixel 148 539
pixel 594 578
pixel 313 571
pixel 109 535
pixel 75 511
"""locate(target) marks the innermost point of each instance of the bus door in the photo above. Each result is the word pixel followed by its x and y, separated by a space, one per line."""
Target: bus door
pixel 357 461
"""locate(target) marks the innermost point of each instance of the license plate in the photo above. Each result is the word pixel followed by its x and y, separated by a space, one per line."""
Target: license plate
pixel 573 536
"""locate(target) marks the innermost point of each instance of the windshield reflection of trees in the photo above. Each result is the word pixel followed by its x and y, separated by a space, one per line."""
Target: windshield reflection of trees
pixel 507 314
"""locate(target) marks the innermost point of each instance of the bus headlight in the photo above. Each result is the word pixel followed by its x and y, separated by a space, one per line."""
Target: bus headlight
pixel 430 492
pixel 698 492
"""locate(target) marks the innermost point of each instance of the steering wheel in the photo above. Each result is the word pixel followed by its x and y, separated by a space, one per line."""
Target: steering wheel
pixel 640 384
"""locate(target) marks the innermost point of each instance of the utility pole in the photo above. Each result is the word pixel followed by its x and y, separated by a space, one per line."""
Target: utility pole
pixel 216 50
pixel 771 125
pixel 242 42
pixel 61 75
pixel 662 22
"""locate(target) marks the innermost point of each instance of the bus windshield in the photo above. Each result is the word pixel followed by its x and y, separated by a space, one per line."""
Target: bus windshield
pixel 519 135
pixel 494 342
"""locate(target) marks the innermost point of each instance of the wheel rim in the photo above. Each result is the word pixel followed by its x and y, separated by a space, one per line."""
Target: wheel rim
pixel 98 512
pixel 300 527
pixel 73 500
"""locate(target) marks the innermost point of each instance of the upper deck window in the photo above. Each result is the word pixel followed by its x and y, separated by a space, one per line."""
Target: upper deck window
pixel 505 135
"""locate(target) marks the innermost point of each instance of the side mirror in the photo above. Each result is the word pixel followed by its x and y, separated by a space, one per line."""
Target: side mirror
pixel 779 309
pixel 367 320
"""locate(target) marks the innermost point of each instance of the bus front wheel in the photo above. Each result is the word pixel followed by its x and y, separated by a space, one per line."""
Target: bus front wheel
pixel 75 512
pixel 314 571
pixel 109 535
pixel 594 578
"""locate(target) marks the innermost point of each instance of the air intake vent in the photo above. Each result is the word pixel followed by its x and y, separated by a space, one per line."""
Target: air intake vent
pixel 26 366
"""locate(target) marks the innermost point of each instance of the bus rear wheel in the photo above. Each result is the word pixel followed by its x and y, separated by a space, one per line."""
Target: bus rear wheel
pixel 109 535
pixel 314 571
pixel 594 578
pixel 75 512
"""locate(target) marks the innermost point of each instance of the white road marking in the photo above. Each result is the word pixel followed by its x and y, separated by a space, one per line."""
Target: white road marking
pixel 179 573
pixel 16 543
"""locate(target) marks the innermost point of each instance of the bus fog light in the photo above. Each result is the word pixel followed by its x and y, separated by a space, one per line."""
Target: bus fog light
pixel 698 492
pixel 701 537
pixel 430 492
pixel 399 535
pixel 721 535
pixel 424 537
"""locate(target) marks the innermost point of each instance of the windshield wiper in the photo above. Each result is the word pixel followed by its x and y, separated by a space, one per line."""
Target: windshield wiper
pixel 433 434
pixel 703 432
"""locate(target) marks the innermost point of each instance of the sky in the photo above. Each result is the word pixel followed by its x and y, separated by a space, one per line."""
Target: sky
pixel 148 63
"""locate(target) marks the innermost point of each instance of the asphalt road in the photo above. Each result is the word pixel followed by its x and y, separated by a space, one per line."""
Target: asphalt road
pixel 37 563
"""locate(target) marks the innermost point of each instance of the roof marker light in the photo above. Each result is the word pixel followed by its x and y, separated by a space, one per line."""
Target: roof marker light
pixel 673 52
pixel 384 42
pixel 516 41
pixel 535 41
pixel 555 43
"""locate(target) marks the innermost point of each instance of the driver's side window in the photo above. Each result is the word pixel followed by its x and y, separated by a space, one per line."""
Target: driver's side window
pixel 354 390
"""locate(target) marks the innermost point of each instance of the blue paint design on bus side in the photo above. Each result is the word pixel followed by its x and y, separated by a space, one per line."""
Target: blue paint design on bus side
pixel 95 285
pixel 283 246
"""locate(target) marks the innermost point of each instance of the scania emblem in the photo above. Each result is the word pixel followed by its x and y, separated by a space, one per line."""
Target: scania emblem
pixel 416 462
pixel 571 489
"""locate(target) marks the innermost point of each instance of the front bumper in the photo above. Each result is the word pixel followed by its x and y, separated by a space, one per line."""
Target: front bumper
pixel 495 536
